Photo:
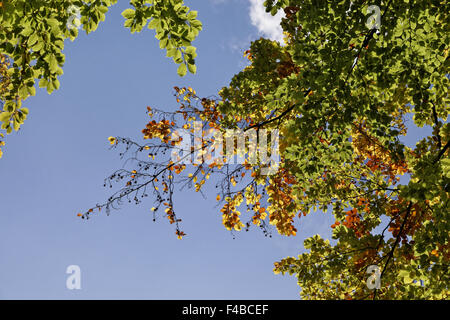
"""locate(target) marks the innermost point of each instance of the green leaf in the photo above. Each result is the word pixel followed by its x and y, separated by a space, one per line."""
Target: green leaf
pixel 163 43
pixel 192 68
pixel 53 63
pixel 192 15
pixel 191 51
pixel 182 70
pixel 153 23
pixel 128 13
pixel 171 52
pixel 5 116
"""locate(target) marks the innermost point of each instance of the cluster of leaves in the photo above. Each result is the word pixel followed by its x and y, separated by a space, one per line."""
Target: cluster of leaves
pixel 32 35
pixel 4 82
pixel 341 96
pixel 176 27
pixel 154 169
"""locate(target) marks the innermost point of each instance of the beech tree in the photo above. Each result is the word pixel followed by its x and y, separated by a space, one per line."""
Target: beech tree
pixel 4 80
pixel 342 93
pixel 32 35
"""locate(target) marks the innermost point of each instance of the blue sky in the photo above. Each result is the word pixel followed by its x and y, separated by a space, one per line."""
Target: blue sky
pixel 55 165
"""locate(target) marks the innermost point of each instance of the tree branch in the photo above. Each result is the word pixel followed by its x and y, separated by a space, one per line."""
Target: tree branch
pixel 441 153
pixel 285 112
pixel 436 121
pixel 397 240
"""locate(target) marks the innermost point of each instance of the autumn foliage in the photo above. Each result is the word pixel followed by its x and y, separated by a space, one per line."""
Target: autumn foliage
pixel 344 98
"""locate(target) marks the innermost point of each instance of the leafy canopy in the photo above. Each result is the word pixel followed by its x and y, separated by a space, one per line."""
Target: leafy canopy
pixel 343 97
pixel 32 35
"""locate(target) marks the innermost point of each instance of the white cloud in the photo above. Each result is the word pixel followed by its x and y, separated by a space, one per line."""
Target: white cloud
pixel 266 24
